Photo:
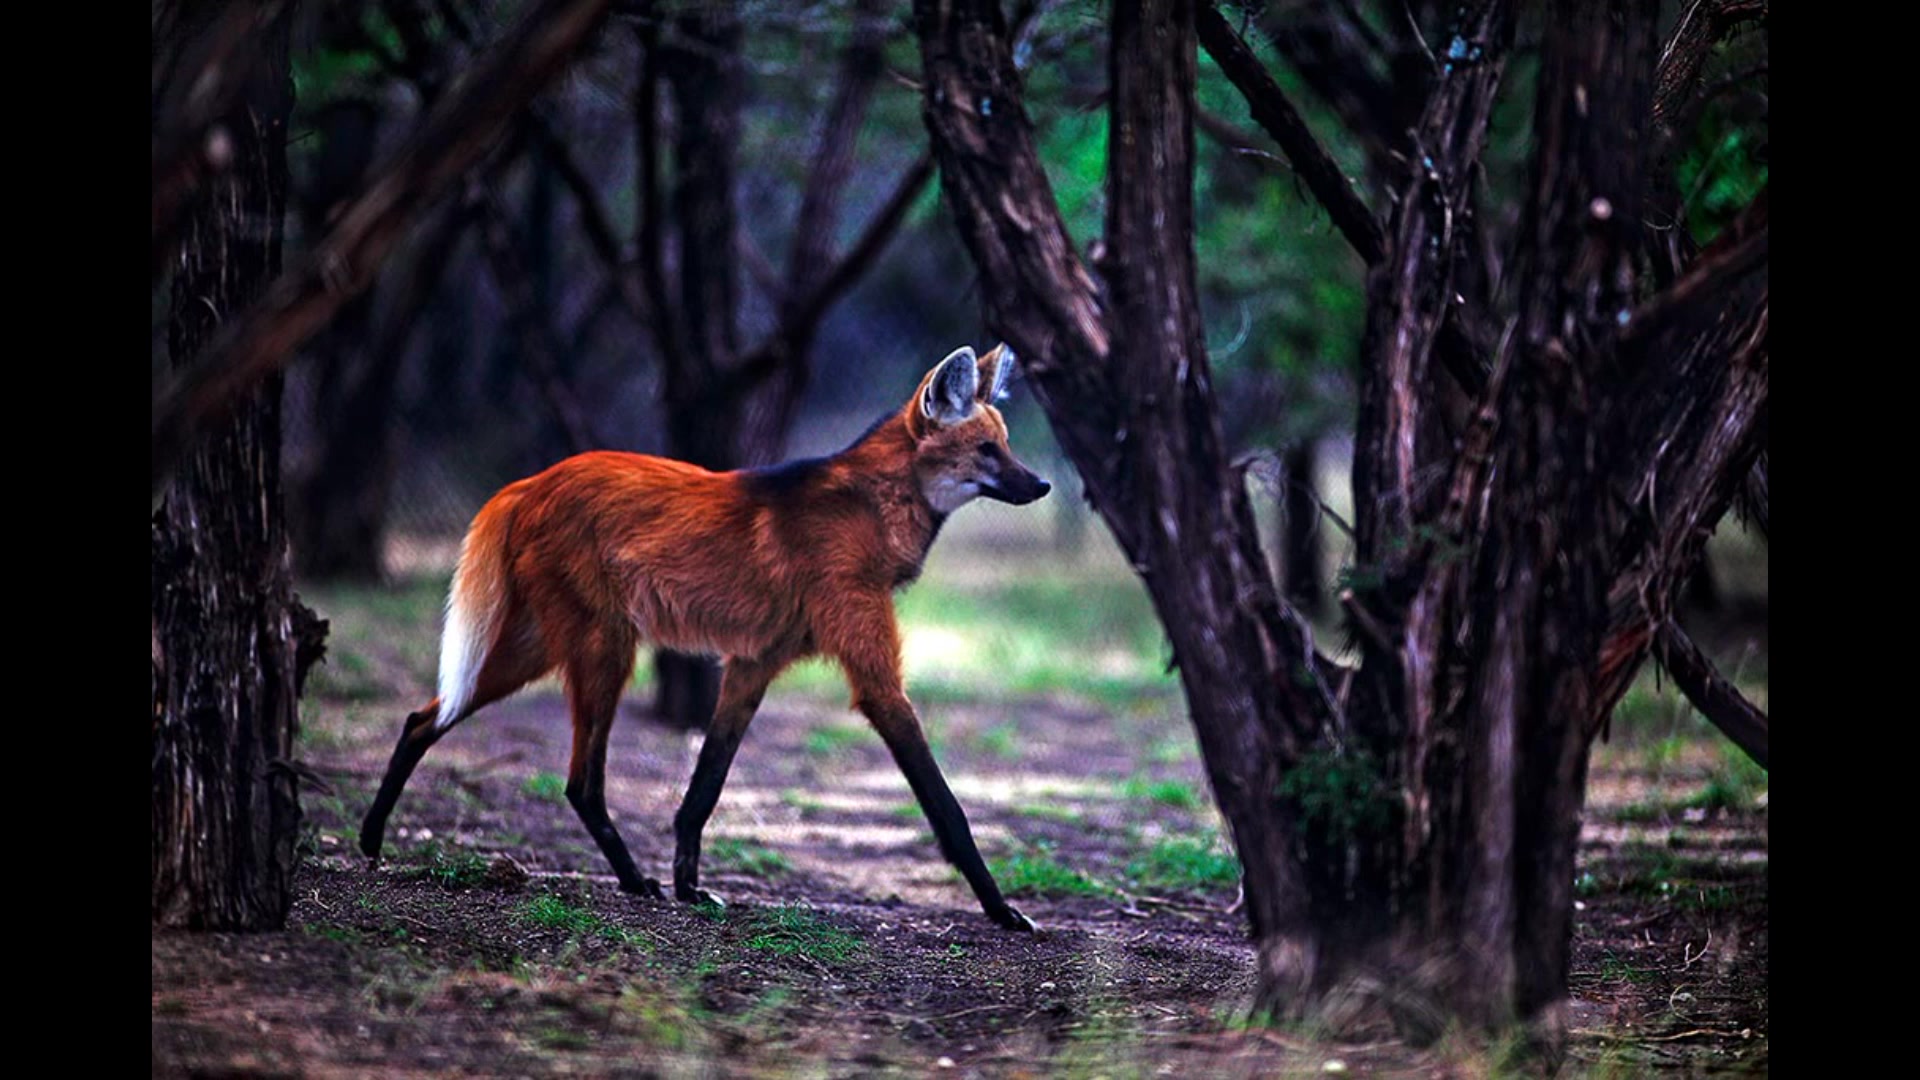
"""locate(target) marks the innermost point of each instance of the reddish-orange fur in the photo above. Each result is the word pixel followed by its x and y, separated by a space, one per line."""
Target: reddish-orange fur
pixel 576 567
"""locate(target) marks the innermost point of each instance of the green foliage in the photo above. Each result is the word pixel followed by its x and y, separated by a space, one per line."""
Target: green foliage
pixel 797 931
pixel 1339 793
pixel 1720 172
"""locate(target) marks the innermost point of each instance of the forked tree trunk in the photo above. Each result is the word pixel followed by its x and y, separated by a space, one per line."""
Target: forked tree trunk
pixel 230 640
pixel 1414 821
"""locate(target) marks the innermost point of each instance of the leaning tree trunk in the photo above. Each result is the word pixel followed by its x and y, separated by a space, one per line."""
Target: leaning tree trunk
pixel 230 640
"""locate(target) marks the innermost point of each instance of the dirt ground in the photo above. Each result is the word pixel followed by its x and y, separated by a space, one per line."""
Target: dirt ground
pixel 848 947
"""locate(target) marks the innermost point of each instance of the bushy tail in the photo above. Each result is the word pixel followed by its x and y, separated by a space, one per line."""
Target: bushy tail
pixel 476 606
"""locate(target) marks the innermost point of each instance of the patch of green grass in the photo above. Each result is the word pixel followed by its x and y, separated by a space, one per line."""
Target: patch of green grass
pixel 748 858
pixel 801 801
pixel 660 1019
pixel 1732 785
pixel 1035 872
pixel 1066 815
pixel 549 912
pixel 907 811
pixel 345 934
pixel 1614 969
pixel 1172 750
pixel 797 931
pixel 1175 793
pixel 559 1038
pixel 450 867
pixel 545 785
pixel 1000 740
pixel 1185 863
pixel 1708 898
pixel 830 740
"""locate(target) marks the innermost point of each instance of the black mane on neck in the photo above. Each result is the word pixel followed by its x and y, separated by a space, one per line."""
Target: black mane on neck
pixel 788 477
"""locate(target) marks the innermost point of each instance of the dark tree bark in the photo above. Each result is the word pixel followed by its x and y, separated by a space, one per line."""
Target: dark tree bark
pixel 231 642
pixel 337 503
pixel 1415 821
pixel 1127 389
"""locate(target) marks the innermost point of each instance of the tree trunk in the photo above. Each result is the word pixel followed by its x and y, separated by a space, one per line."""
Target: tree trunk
pixel 703 413
pixel 230 640
pixel 337 503
pixel 1414 822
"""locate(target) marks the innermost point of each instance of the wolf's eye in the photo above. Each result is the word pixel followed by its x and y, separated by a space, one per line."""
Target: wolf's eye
pixel 987 449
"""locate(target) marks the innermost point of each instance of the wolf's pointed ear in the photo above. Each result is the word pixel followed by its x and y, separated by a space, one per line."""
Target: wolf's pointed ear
pixel 949 395
pixel 995 368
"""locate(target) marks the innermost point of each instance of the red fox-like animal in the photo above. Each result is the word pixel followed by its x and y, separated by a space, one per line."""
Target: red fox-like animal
pixel 574 568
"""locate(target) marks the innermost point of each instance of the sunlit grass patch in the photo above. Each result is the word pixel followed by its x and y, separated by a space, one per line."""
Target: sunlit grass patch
pixel 746 857
pixel 1188 863
pixel 1036 872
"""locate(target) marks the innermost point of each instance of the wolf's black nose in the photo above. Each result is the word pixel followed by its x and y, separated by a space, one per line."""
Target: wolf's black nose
pixel 1044 488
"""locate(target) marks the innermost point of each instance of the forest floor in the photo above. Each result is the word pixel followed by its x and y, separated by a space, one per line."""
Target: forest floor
pixel 492 939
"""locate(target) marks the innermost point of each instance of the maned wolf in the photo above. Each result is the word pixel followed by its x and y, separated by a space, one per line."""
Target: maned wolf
pixel 576 567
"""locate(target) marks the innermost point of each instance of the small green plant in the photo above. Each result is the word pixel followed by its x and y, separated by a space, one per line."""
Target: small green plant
pixel 832 739
pixel 748 858
pixel 1732 785
pixel 797 931
pixel 1001 740
pixel 1175 793
pixel 1066 815
pixel 453 868
pixel 801 801
pixel 1185 863
pixel 549 912
pixel 1171 750
pixel 1035 872
pixel 1339 792
pixel 546 785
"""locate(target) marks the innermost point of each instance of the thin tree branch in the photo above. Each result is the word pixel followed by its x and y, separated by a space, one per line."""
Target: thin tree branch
pixel 461 128
pixel 539 354
pixel 1753 494
pixel 1234 138
pixel 832 160
pixel 1698 295
pixel 593 219
pixel 1717 699
pixel 651 235
pixel 799 319
pixel 1340 59
pixel 1282 121
pixel 1701 26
